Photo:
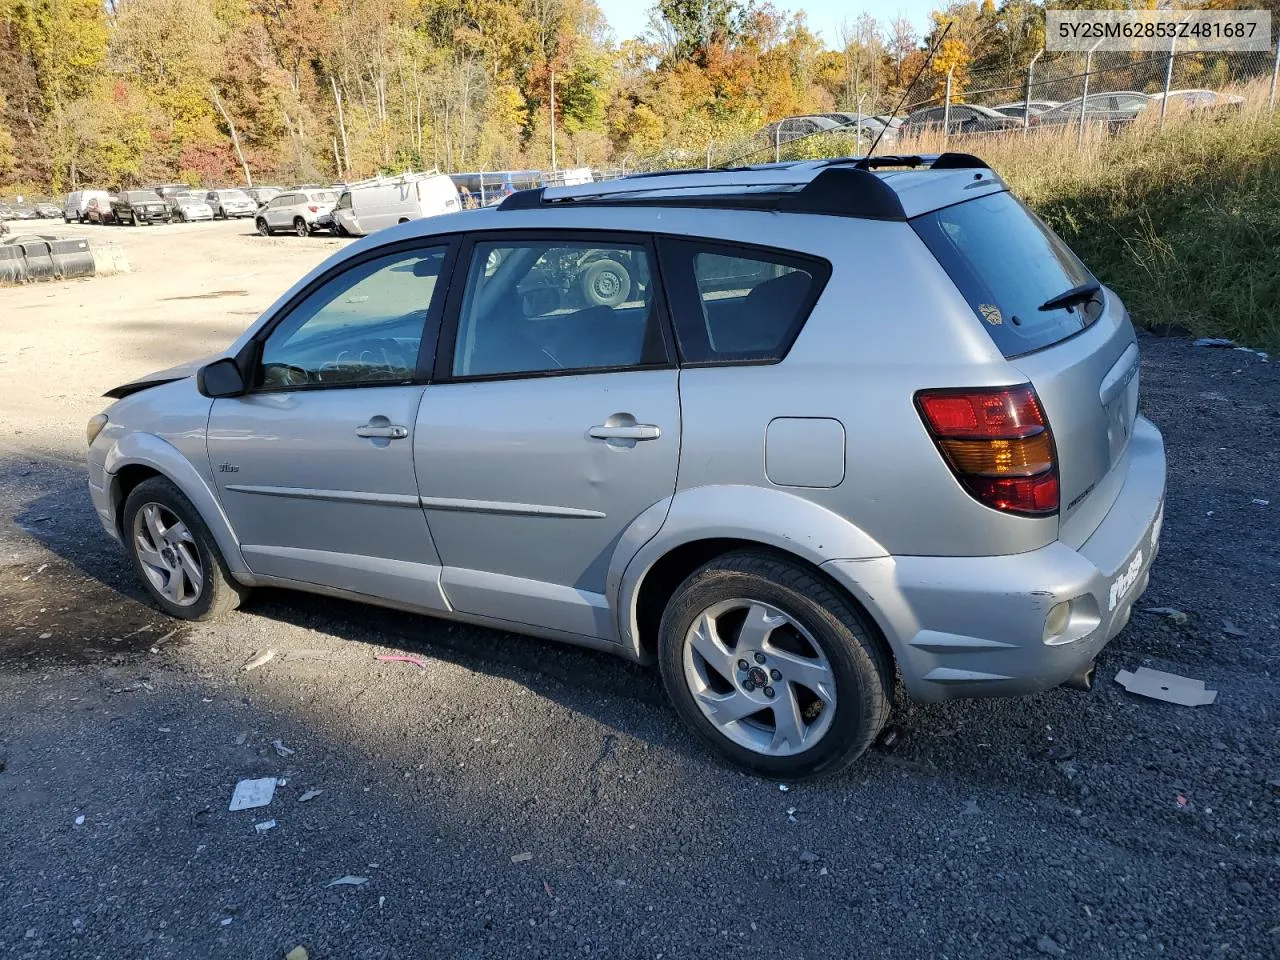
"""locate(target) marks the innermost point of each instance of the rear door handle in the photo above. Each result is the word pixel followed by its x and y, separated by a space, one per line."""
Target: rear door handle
pixel 637 431
pixel 391 431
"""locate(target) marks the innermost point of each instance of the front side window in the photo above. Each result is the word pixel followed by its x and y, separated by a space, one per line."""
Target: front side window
pixel 738 305
pixel 364 326
pixel 550 306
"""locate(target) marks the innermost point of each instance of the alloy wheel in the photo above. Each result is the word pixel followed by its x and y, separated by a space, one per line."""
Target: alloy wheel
pixel 760 677
pixel 168 554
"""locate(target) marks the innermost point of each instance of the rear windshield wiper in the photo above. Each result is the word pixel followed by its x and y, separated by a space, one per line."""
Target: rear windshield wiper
pixel 1081 294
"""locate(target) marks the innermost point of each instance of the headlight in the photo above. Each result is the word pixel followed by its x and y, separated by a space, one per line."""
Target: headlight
pixel 96 423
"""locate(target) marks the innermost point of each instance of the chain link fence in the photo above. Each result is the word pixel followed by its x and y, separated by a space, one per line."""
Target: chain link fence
pixel 1054 91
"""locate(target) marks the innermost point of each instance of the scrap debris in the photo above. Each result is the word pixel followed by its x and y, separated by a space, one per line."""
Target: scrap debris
pixel 1172 613
pixel 347 881
pixel 309 795
pixel 402 658
pixel 250 794
pixel 1168 687
pixel 265 825
pixel 522 858
pixel 259 659
pixel 297 953
pixel 282 750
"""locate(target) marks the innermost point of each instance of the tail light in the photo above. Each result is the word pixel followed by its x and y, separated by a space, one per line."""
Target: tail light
pixel 313 208
pixel 998 444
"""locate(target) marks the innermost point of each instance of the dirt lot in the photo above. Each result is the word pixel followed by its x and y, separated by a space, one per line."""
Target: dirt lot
pixel 1065 824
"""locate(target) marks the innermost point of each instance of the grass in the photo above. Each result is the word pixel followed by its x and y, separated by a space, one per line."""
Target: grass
pixel 1183 222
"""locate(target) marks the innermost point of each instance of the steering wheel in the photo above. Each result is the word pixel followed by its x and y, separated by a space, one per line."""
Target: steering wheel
pixel 285 375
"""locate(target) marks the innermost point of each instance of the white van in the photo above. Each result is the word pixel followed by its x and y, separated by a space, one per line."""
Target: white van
pixel 370 205
pixel 78 202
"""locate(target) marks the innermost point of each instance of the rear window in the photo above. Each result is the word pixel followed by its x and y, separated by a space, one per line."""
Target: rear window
pixel 1007 262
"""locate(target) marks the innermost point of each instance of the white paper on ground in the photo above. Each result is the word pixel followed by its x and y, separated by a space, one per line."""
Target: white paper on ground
pixel 253 793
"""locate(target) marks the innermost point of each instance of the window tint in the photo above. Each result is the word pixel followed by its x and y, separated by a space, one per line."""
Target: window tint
pixel 737 305
pixel 1007 262
pixel 546 306
pixel 363 326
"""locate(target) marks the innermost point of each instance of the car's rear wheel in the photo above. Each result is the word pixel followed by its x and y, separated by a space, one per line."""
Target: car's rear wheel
pixel 263 229
pixel 300 227
pixel 175 554
pixel 774 668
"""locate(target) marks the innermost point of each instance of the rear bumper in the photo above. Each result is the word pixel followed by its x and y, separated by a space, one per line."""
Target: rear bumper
pixel 975 626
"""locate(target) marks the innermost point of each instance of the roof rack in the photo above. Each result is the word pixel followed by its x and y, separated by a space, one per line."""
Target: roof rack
pixel 844 187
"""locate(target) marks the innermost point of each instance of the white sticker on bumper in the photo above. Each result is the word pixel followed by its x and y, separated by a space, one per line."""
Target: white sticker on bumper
pixel 1125 582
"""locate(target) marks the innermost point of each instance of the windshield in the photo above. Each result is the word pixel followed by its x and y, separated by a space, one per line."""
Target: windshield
pixel 234 195
pixel 141 196
pixel 1007 262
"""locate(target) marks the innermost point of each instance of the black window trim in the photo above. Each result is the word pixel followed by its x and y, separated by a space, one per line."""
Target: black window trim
pixel 431 321
pixel 448 336
pixel 683 288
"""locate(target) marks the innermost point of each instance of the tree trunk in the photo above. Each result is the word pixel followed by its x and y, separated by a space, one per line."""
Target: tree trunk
pixel 342 123
pixel 235 137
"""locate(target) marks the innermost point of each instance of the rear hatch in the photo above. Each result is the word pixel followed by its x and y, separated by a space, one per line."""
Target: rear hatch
pixel 1080 357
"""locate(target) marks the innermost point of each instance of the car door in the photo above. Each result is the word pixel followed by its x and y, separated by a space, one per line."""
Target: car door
pixel 277 211
pixel 552 423
pixel 314 465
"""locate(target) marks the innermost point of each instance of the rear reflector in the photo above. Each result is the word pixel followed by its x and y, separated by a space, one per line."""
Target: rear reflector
pixel 998 444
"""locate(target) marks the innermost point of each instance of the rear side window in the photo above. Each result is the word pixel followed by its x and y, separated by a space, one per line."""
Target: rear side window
pixel 739 305
pixel 1007 262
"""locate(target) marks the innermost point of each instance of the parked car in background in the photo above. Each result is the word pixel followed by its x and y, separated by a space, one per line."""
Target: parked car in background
pixel 867 129
pixel 569 474
pixel 47 211
pixel 1021 108
pixel 261 195
pixel 1198 100
pixel 960 118
pixel 1114 109
pixel 7 212
pixel 25 212
pixel 231 202
pixel 166 190
pixel 370 205
pixel 301 211
pixel 186 207
pixel 793 128
pixel 77 204
pixel 135 207
pixel 100 210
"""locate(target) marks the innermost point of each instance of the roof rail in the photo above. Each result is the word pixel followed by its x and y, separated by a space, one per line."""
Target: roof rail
pixel 845 187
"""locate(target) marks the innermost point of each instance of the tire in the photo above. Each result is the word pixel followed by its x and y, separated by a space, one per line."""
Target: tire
pixel 810 630
pixel 340 230
pixel 218 593
pixel 263 229
pixel 300 227
pixel 605 283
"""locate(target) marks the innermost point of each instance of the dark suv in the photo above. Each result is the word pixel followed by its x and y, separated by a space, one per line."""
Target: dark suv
pixel 139 206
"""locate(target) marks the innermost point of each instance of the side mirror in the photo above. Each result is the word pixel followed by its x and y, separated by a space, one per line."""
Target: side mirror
pixel 222 378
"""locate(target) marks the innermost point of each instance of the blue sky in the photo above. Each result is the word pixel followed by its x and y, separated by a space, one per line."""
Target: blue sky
pixel 628 17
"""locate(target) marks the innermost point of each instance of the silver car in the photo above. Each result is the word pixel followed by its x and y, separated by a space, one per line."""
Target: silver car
pixel 298 211
pixel 231 203
pixel 788 432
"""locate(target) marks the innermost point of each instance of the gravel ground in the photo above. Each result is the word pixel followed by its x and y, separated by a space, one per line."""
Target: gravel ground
pixel 518 798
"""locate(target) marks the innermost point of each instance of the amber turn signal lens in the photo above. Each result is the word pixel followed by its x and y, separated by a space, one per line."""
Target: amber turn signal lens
pixel 1001 458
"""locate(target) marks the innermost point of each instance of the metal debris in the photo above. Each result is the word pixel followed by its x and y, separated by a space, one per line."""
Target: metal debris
pixel 309 795
pixel 261 658
pixel 1168 687
pixel 522 857
pixel 1259 502
pixel 1219 342
pixel 282 750
pixel 265 825
pixel 250 794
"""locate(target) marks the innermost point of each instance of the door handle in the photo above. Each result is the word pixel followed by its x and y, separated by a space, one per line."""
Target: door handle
pixel 636 431
pixel 390 431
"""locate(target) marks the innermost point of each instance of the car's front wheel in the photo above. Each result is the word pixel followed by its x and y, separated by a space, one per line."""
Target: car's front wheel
pixel 263 229
pixel 175 554
pixel 773 667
